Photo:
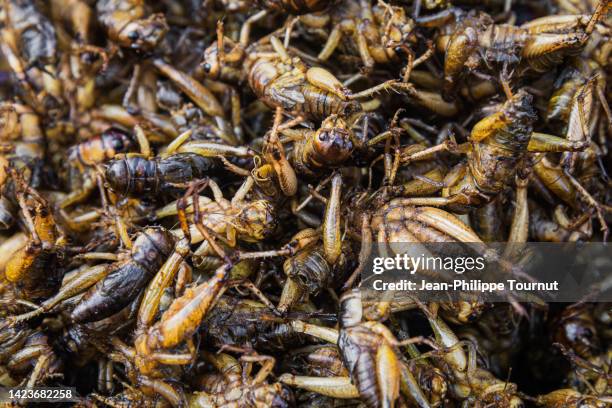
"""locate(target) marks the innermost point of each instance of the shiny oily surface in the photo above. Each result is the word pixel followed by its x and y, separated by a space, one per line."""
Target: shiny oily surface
pixel 190 191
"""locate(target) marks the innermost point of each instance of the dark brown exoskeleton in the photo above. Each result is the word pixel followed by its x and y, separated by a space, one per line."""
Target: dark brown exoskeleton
pixel 243 322
pixel 138 176
pixel 84 156
pixel 368 354
pixel 469 40
pixel 130 25
pixel 575 329
pixel 323 258
pixel 127 278
pixel 28 40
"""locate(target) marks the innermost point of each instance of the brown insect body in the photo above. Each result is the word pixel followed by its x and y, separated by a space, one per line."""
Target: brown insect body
pixel 129 24
pixel 233 387
pixel 33 270
pixel 21 130
pixel 365 350
pixel 241 322
pixel 284 84
pixel 501 144
pixel 126 280
pixel 100 148
pixel 374 33
pixel 34 31
pixel 324 149
pixel 296 7
pixel 137 176
pixel 472 40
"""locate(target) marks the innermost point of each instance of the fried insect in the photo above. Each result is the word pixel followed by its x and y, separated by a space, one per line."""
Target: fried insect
pixel 295 6
pixel 284 81
pixel 473 384
pixel 137 176
pixel 376 33
pixel 472 40
pixel 127 278
pixel 32 272
pixel 129 24
pixel 83 158
pixel 497 148
pixel 24 139
pixel 569 398
pixel 370 354
pixel 232 386
pixel 237 219
pixel 244 322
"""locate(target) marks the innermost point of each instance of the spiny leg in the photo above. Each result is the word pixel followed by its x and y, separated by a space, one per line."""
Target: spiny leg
pixel 120 226
pixel 598 207
pixel 275 153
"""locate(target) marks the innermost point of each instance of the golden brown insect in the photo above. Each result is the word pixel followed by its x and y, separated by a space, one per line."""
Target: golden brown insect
pixel 284 81
pixel 24 149
pixel 32 272
pixel 84 156
pixel 129 24
pixel 238 219
pixel 233 387
pixel 569 398
pixel 376 33
pixel 537 46
pixel 473 384
pixel 498 145
pixel 370 354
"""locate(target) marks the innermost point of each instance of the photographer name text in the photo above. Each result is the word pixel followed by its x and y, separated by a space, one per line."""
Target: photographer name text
pixel 464 285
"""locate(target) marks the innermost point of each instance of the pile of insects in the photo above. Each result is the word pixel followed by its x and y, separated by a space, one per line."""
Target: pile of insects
pixel 190 191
